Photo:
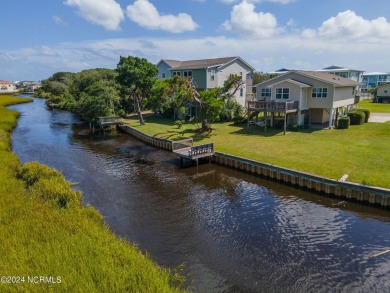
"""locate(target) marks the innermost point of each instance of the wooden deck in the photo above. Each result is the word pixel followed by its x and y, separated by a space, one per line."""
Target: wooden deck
pixel 105 124
pixel 196 152
pixel 262 106
pixel 187 152
pixel 109 120
pixel 273 106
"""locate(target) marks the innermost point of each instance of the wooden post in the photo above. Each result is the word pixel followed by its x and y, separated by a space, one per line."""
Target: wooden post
pixel 285 122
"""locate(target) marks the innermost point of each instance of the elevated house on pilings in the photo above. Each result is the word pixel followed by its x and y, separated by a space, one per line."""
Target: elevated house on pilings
pixel 304 98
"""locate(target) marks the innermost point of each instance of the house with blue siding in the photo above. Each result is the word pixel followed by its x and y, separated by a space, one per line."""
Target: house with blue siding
pixel 374 79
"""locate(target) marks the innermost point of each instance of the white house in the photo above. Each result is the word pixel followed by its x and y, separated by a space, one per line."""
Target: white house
pixel 383 93
pixel 7 86
pixel 354 74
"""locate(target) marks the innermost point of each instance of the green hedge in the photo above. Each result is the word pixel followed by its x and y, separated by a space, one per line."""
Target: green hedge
pixel 357 117
pixel 366 112
pixel 343 123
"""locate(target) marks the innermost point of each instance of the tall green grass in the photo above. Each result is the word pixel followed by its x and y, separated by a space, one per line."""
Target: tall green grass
pixel 47 235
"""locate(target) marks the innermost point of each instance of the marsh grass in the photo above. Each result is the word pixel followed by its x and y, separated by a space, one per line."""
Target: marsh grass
pixel 45 231
pixel 362 151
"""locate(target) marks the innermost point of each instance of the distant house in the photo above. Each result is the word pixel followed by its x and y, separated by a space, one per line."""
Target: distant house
pixel 210 73
pixel 354 74
pixel 7 86
pixel 374 79
pixel 305 98
pixel 383 93
pixel 280 71
pixel 32 87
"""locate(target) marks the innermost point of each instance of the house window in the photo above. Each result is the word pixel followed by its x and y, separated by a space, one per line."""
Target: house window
pixel 282 93
pixel 265 92
pixel 163 75
pixel 241 92
pixel 321 92
pixel 212 74
pixel 174 73
pixel 187 73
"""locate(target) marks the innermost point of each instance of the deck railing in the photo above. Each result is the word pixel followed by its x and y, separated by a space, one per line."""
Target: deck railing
pixel 181 144
pixel 201 150
pixel 273 106
pixel 110 119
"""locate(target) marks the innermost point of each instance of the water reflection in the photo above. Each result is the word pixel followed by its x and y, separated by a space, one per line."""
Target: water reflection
pixel 233 232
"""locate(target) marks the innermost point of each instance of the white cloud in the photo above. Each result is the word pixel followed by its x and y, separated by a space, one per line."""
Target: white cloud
pixel 256 1
pixel 247 22
pixel 267 54
pixel 346 39
pixel 351 26
pixel 106 13
pixel 146 15
pixel 59 20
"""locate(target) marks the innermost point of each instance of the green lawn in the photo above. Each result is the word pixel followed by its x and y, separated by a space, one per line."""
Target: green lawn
pixel 362 152
pixel 374 107
pixel 46 232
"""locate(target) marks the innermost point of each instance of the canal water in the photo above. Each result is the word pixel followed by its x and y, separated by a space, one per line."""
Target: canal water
pixel 229 231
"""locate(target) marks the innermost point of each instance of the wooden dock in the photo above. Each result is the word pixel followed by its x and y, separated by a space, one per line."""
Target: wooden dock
pixel 105 123
pixel 189 153
pixel 109 121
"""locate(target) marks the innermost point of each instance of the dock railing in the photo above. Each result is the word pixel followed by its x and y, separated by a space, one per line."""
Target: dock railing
pixel 181 144
pixel 201 150
pixel 109 120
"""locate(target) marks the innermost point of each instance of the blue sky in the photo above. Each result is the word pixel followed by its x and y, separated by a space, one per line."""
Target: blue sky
pixel 46 36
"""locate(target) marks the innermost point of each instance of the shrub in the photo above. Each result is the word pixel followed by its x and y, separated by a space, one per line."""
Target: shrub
pixel 122 113
pixel 48 184
pixel 366 112
pixel 357 117
pixel 239 120
pixel 34 171
pixel 167 113
pixel 179 123
pixel 343 123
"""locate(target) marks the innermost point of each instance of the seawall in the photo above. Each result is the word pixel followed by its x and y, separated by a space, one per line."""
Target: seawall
pixel 370 195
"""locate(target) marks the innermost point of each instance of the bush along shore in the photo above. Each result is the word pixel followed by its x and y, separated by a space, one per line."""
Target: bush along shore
pixel 50 242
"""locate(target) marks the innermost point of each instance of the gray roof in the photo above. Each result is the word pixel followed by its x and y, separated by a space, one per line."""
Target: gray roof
pixel 198 64
pixel 335 68
pixel 330 78
pixel 318 75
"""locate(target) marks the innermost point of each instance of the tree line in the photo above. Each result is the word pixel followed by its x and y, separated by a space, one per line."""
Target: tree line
pixel 133 87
